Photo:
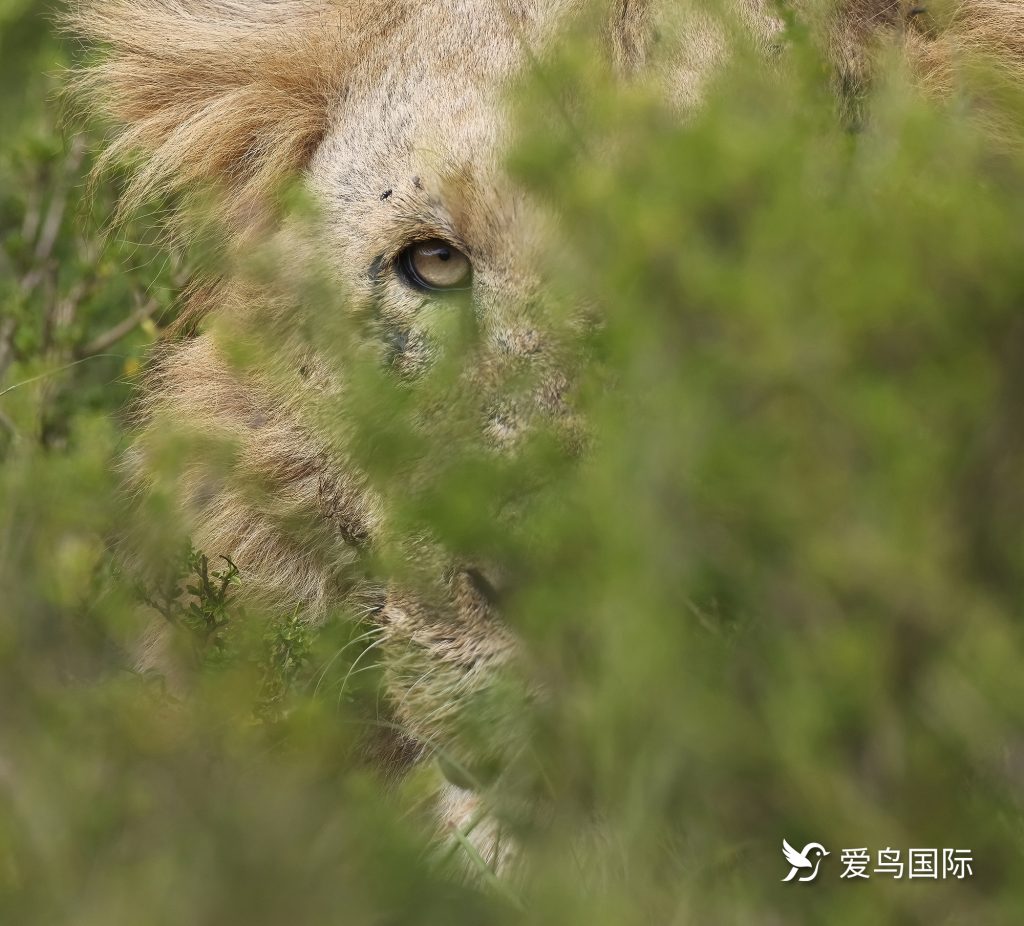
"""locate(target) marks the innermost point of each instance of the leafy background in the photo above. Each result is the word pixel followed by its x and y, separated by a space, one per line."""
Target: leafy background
pixel 779 599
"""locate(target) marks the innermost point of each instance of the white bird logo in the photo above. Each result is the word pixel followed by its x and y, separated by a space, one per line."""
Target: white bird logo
pixel 802 861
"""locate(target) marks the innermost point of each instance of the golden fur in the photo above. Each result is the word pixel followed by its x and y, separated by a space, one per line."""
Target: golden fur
pixel 240 93
pixel 936 37
pixel 229 93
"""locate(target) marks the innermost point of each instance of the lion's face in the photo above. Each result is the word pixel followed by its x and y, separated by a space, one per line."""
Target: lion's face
pixel 394 115
pixel 418 214
pixel 415 213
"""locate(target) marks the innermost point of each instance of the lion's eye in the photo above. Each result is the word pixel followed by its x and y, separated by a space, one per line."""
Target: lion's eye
pixel 436 265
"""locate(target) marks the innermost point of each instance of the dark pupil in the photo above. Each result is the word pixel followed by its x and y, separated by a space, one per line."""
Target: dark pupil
pixel 438 250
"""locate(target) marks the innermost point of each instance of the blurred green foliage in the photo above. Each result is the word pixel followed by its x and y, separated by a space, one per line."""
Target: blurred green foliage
pixel 798 560
pixel 69 293
pixel 778 597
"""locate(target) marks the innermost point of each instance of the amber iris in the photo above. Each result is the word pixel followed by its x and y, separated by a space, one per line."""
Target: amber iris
pixel 436 265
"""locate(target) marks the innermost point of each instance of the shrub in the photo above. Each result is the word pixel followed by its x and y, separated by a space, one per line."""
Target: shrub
pixel 776 597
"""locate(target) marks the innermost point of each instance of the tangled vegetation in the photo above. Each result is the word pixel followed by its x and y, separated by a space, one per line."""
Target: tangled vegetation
pixel 777 595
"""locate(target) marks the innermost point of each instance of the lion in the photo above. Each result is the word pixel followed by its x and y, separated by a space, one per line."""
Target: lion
pixel 393 115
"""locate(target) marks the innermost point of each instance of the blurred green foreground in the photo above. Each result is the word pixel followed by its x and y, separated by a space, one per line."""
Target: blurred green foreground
pixel 782 596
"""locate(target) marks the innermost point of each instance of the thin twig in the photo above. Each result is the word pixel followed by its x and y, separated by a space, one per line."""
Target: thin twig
pixel 51 225
pixel 10 425
pixel 6 346
pixel 49 373
pixel 123 328
pixel 61 315
pixel 58 205
pixel 33 216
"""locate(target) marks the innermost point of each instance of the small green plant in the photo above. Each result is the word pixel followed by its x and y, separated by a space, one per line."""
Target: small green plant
pixel 288 645
pixel 199 602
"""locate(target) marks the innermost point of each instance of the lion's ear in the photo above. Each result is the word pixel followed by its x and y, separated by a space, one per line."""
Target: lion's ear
pixel 235 94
